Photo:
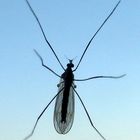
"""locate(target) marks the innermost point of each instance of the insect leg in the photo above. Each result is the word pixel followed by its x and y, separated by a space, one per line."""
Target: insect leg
pixel 45 65
pixel 95 77
pixel 41 115
pixel 41 28
pixel 96 34
pixel 88 114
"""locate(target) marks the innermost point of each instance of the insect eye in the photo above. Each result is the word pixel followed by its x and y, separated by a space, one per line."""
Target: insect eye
pixel 70 65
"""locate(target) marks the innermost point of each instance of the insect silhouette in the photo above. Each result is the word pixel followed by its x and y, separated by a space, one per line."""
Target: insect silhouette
pixel 64 105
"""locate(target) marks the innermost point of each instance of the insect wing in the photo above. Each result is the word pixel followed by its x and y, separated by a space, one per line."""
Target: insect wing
pixel 63 127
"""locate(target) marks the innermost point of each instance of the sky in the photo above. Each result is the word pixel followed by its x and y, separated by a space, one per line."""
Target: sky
pixel 26 87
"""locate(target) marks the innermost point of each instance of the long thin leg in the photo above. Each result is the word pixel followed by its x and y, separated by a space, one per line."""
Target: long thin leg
pixel 88 115
pixel 45 65
pixel 95 77
pixel 31 9
pixel 96 34
pixel 41 115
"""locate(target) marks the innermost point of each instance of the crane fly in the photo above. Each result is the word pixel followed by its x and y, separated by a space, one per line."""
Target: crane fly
pixel 64 105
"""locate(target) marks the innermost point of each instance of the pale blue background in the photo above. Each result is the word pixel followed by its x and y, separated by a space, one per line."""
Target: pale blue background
pixel 26 87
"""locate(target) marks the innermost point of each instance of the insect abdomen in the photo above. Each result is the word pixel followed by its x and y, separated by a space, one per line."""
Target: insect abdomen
pixel 63 120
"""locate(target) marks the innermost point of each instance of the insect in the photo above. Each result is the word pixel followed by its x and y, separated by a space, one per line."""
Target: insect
pixel 64 105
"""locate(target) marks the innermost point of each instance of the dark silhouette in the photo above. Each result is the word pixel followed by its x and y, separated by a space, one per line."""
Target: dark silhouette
pixel 64 106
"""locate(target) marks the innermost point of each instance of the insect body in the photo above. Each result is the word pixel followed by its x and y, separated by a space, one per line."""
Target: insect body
pixel 64 106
